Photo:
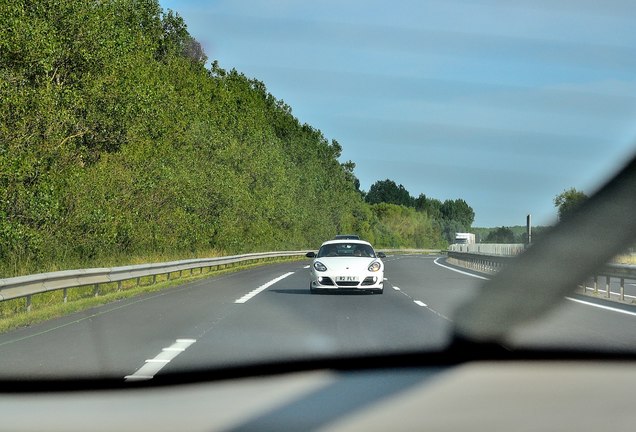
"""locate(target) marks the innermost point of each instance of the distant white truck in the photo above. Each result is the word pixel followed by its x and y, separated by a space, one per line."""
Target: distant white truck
pixel 464 238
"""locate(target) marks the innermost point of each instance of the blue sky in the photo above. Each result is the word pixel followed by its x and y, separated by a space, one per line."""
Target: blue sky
pixel 502 103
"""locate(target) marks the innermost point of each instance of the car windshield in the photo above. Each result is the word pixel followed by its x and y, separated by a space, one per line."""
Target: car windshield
pixel 346 250
pixel 169 168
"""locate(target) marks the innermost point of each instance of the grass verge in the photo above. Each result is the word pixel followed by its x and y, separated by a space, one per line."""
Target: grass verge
pixel 51 305
pixel 625 259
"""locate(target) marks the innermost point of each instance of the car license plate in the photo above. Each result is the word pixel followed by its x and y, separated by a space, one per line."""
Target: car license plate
pixel 346 278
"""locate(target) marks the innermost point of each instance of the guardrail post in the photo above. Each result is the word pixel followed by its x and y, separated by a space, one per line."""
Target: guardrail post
pixel 168 276
pixel 28 303
pixel 622 288
pixel 95 290
pixel 154 279
pixel 138 281
pixel 65 294
pixel 595 284
pixel 607 286
pixel 119 285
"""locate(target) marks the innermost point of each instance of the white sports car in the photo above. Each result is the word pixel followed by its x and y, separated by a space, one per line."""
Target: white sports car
pixel 346 264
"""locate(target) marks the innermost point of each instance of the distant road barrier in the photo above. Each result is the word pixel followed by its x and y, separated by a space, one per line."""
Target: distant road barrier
pixel 478 262
pixel 408 251
pixel 483 257
pixel 490 264
pixel 27 286
pixel 493 249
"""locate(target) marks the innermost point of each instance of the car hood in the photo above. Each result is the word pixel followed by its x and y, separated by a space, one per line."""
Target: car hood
pixel 347 263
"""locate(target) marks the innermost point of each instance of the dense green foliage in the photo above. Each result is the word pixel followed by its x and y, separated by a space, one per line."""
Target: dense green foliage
pixel 401 226
pixel 500 235
pixel 117 141
pixel 503 234
pixel 567 201
pixel 448 217
pixel 387 191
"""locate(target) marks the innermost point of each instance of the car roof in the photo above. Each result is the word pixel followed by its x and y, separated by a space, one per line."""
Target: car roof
pixel 349 241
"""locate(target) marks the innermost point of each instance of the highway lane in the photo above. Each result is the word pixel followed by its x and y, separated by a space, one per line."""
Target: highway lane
pixel 201 323
pixel 578 322
pixel 284 320
pixel 116 338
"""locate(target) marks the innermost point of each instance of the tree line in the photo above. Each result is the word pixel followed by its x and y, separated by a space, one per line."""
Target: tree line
pixel 448 217
pixel 117 141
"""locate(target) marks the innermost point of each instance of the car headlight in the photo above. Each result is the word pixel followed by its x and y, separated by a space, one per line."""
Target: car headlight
pixel 375 266
pixel 320 266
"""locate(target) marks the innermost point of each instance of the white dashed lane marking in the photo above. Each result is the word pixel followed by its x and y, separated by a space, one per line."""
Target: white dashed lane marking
pixel 261 288
pixel 152 366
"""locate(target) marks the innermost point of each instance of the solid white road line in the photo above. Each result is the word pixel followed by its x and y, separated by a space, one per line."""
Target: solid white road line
pixel 154 365
pixel 261 288
pixel 459 271
pixel 396 288
pixel 568 298
pixel 602 306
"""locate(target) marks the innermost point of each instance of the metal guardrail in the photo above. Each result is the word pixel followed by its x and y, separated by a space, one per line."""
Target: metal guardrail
pixel 491 264
pixel 478 262
pixel 621 272
pixel 492 249
pixel 407 251
pixel 27 286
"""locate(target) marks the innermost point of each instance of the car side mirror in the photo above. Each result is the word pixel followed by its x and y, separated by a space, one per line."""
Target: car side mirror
pixel 381 255
pixel 311 255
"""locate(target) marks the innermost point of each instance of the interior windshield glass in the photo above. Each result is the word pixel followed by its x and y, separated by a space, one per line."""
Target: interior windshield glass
pixel 169 170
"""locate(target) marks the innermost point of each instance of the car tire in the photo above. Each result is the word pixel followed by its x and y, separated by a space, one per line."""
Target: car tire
pixel 378 291
pixel 312 290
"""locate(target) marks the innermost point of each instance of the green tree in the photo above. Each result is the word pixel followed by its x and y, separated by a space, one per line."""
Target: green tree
pixel 387 191
pixel 500 235
pixel 401 226
pixel 432 206
pixel 116 142
pixel 458 210
pixel 175 39
pixel 567 201
pixel 449 227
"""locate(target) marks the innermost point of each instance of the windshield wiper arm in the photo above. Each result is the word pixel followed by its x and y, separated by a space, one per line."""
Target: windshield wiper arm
pixel 543 275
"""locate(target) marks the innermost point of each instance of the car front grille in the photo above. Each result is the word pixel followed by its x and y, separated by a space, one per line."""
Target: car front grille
pixel 347 284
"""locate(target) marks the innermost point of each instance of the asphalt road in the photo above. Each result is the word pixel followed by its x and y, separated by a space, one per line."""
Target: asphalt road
pixel 267 313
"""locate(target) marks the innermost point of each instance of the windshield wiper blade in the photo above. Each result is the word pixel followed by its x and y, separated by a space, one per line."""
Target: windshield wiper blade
pixel 545 273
